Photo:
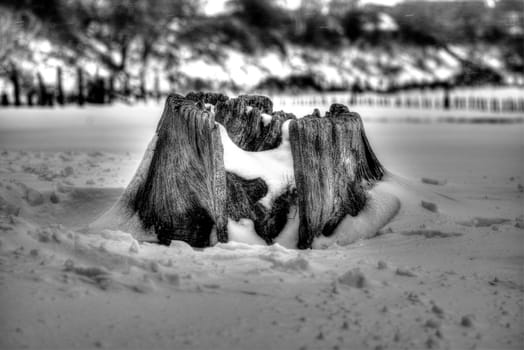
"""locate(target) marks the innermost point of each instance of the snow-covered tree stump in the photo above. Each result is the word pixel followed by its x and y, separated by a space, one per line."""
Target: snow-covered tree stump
pixel 216 163
pixel 183 194
pixel 331 157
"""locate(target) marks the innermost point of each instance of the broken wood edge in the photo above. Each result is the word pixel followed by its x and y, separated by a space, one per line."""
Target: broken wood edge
pixel 245 119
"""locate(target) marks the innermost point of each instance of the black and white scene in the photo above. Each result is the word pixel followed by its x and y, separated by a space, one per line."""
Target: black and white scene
pixel 262 174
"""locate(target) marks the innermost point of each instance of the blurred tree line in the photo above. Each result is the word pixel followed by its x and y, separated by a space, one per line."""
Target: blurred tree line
pixel 120 34
pixel 115 33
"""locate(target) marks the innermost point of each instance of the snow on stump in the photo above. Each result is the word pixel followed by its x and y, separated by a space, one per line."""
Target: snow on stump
pixel 215 162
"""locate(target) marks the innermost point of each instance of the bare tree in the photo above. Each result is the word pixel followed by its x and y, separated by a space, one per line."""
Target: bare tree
pixel 119 32
pixel 16 32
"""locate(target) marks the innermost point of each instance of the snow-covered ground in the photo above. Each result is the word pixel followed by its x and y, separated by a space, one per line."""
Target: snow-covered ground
pixel 446 272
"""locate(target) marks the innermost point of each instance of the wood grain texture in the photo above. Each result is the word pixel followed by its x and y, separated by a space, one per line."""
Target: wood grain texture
pixel 331 159
pixel 246 127
pixel 184 193
pixel 182 190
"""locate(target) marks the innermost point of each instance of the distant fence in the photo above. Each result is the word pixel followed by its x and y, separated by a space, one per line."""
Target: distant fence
pixel 487 99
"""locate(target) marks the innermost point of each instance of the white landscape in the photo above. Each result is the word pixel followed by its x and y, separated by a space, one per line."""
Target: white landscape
pixel 446 272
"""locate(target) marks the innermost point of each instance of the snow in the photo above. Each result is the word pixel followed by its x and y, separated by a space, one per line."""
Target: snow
pixel 288 236
pixel 386 22
pixel 119 216
pixel 274 166
pixel 243 231
pixel 449 279
pixel 380 208
pixel 266 119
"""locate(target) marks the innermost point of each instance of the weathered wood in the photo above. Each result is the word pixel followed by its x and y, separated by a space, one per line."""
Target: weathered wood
pixel 243 202
pixel 271 224
pixel 242 117
pixel 184 192
pixel 331 158
pixel 248 128
pixel 263 103
pixel 207 97
pixel 368 165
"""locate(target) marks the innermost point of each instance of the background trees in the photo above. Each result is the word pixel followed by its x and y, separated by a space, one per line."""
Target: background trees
pixel 131 40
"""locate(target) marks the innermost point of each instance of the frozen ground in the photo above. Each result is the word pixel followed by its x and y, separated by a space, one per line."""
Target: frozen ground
pixel 446 273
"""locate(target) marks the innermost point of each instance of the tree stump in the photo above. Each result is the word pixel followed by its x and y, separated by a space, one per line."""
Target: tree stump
pixel 251 123
pixel 331 158
pixel 186 190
